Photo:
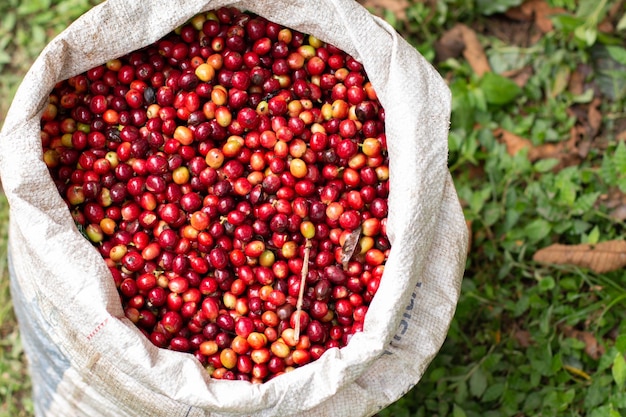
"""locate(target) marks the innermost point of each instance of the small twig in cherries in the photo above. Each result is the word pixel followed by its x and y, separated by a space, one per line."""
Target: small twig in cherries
pixel 305 271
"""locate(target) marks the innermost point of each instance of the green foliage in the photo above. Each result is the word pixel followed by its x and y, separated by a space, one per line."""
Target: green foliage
pixel 489 7
pixel 511 349
pixel 14 382
pixel 498 90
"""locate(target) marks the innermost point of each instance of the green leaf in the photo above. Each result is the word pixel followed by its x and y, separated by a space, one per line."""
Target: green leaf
pixel 521 306
pixel 532 403
pixel 560 80
pixel 546 283
pixel 437 374
pixel 478 383
pixel 479 198
pixel 493 392
pixel 491 214
pixel 585 97
pixel 462 111
pixel 8 22
pixel 458 411
pixel 618 53
pixel 620 343
pixel 587 8
pixel 607 170
pixel 585 202
pixel 566 398
pixel 586 34
pixel 596 394
pixel 621 25
pixel 594 236
pixel 557 365
pixel 38 35
pixel 33 6
pixel 489 7
pixel 4 57
pixel 619 370
pixel 619 158
pixel 544 326
pixel 498 90
pixel 461 394
pixel 546 165
pixel 603 411
pixel 605 362
pixel 508 58
pixel 567 193
pixel 537 230
pixel 477 99
pixel 621 183
pixel 491 361
pixel 619 400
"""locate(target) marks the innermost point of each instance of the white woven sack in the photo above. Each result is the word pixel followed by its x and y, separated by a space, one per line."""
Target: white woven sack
pixel 87 359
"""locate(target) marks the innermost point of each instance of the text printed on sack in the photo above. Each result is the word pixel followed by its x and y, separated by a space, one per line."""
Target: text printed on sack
pixel 97 329
pixel 404 324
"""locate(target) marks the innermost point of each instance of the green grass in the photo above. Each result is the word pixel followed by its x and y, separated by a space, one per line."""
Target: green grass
pixel 14 381
pixel 527 339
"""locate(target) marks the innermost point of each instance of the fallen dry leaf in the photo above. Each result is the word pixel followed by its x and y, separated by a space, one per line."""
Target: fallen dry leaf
pixel 592 347
pixel 615 11
pixel 606 27
pixel 474 52
pixel 463 40
pixel 542 12
pixel 522 337
pixel 582 143
pixel 536 10
pixel 614 198
pixel 613 14
pixel 450 44
pixel 618 213
pixel 397 7
pixel 514 143
pixel 594 117
pixel 600 258
pixel 588 119
pixel 519 76
pixel 577 82
pixel 566 151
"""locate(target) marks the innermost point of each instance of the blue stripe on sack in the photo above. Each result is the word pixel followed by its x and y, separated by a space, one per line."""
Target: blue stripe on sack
pixel 47 364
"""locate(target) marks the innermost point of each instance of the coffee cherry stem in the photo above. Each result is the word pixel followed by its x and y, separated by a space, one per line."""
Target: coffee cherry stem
pixel 303 275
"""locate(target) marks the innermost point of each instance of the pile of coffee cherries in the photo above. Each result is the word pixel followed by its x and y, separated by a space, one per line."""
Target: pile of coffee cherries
pixel 234 177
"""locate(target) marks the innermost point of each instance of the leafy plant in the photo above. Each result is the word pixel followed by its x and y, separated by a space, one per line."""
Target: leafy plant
pixel 533 339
